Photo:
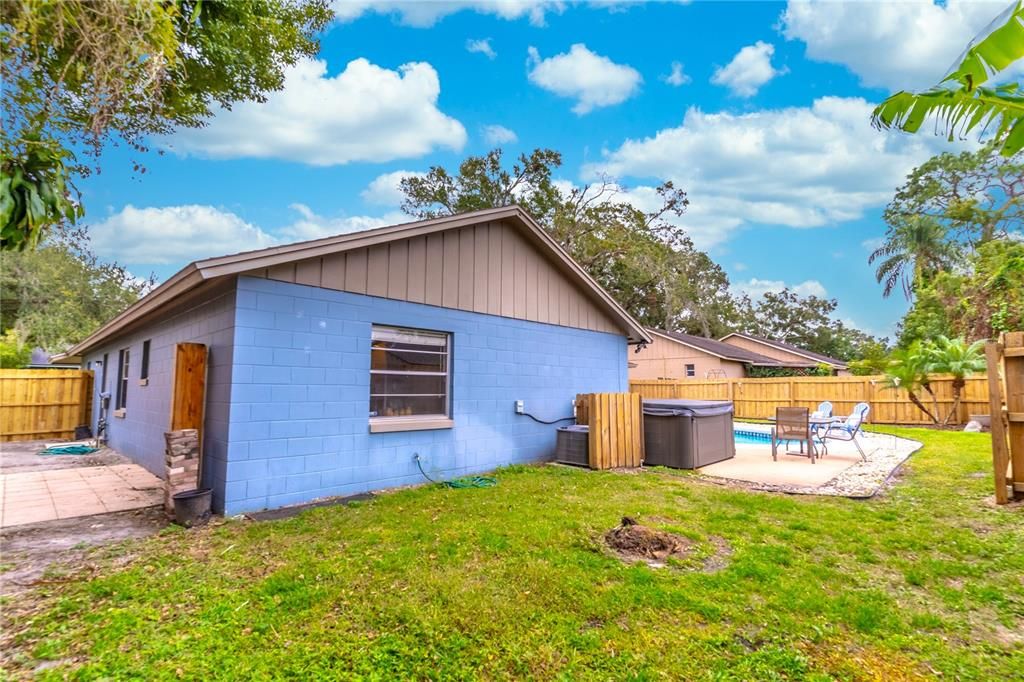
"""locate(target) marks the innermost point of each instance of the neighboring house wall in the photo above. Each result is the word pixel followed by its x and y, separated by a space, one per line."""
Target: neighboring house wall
pixel 300 393
pixel 485 268
pixel 664 359
pixel 767 350
pixel 140 433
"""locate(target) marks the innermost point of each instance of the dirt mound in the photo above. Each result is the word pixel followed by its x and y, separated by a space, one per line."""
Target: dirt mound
pixel 634 542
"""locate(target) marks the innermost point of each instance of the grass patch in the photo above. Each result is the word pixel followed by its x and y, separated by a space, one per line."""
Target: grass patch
pixel 514 581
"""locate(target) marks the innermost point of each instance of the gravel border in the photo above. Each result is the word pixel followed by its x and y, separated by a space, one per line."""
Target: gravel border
pixel 885 453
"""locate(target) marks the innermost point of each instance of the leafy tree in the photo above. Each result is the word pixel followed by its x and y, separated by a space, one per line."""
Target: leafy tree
pixel 977 301
pixel 60 293
pixel 804 321
pixel 971 94
pixel 14 353
pixel 78 73
pixel 874 359
pixel 915 249
pixel 956 357
pixel 976 196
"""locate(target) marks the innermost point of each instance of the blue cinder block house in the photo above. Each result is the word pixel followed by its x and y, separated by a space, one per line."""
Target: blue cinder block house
pixel 330 364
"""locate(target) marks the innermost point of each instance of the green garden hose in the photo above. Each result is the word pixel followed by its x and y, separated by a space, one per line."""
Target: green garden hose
pixel 68 450
pixel 460 483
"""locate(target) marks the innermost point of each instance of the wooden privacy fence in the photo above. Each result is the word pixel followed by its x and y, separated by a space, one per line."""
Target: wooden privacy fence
pixel 758 398
pixel 616 437
pixel 1006 396
pixel 40 404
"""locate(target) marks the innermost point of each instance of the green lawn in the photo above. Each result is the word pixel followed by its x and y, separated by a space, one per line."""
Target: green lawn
pixel 512 581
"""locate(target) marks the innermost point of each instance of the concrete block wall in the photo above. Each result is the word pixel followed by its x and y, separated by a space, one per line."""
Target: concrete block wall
pixel 301 380
pixel 140 434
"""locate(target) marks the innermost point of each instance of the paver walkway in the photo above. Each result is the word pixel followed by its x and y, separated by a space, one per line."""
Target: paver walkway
pixel 35 496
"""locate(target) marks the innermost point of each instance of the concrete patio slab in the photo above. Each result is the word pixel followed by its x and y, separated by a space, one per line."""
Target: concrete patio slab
pixel 754 463
pixel 841 472
pixel 35 494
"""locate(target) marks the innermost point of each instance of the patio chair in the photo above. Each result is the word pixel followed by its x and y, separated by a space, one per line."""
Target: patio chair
pixel 848 429
pixel 824 410
pixel 793 423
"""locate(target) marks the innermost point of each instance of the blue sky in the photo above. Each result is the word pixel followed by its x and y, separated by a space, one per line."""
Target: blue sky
pixel 758 110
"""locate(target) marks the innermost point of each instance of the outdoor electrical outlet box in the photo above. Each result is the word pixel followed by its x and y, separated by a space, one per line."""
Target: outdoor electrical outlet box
pixel 519 407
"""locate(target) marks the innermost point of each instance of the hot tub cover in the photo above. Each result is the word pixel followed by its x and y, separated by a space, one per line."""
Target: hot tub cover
pixel 686 408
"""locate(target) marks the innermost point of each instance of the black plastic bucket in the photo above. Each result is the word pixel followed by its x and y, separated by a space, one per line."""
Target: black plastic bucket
pixel 192 507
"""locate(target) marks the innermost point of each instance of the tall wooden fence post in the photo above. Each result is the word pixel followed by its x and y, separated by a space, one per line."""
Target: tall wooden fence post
pixel 1000 447
pixel 1013 393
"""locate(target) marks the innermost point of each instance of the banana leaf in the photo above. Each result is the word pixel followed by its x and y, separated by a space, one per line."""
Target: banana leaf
pixel 962 101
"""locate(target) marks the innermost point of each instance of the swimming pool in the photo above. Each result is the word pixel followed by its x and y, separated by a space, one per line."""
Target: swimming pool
pixel 747 437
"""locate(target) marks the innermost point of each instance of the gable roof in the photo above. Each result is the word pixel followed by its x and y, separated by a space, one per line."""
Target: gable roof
pixel 201 273
pixel 718 349
pixel 810 355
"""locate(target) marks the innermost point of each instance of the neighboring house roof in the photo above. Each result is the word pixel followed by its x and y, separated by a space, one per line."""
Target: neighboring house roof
pixel 810 355
pixel 200 273
pixel 718 349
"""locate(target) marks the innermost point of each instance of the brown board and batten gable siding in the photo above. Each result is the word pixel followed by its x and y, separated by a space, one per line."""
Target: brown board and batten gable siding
pixel 486 268
pixel 497 261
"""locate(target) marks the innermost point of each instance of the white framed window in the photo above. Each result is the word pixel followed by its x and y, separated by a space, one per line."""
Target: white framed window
pixel 410 378
pixel 691 370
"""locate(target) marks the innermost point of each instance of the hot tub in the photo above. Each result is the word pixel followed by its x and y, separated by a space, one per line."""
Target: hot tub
pixel 687 434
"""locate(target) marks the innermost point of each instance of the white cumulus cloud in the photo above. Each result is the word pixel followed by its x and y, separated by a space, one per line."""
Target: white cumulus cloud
pixel 591 79
pixel 894 45
pixel 800 167
pixel 482 46
pixel 498 134
pixel 383 190
pixel 364 113
pixel 313 226
pixel 755 287
pixel 676 76
pixel 749 70
pixel 426 13
pixel 174 234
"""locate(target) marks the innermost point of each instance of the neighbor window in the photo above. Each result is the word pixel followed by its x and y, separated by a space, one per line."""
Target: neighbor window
pixel 122 380
pixel 409 373
pixel 144 365
pixel 691 370
pixel 103 373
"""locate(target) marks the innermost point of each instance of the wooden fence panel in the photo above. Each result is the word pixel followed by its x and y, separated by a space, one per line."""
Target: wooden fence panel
pixel 43 404
pixel 616 428
pixel 758 398
pixel 1006 402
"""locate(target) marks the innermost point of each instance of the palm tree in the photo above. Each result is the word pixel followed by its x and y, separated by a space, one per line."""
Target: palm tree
pixel 956 357
pixel 908 370
pixel 972 94
pixel 914 250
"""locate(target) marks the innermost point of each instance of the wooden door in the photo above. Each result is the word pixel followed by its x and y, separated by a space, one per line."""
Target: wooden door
pixel 188 397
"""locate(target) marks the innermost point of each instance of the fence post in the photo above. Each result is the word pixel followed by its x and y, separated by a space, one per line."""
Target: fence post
pixel 1013 394
pixel 1000 449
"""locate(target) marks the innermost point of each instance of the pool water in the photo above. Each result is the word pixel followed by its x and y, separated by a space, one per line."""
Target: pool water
pixel 751 437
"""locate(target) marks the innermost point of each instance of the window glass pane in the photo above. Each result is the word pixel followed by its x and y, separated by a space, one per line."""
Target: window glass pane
pixel 406 406
pixel 144 365
pixel 408 361
pixel 407 384
pixel 408 373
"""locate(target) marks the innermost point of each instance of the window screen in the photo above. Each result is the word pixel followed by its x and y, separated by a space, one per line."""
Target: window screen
pixel 144 365
pixel 122 380
pixel 409 373
pixel 691 370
